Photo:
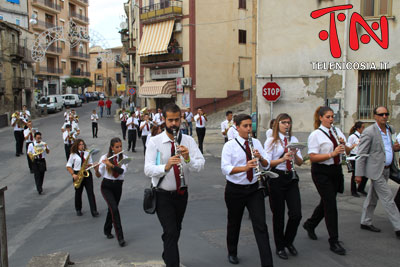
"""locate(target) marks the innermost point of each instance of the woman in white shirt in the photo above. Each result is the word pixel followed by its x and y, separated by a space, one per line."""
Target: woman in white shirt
pixel 111 187
pixel 285 188
pixel 354 139
pixel 325 146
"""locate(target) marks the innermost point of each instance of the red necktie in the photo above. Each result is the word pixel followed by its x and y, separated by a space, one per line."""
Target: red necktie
pixel 288 162
pixel 115 174
pixel 147 126
pixel 176 172
pixel 124 118
pixel 30 136
pixel 248 153
pixel 336 159
pixel 201 121
pixel 82 156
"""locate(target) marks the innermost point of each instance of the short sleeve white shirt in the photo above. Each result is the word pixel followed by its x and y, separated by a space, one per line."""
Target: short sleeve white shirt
pixel 75 161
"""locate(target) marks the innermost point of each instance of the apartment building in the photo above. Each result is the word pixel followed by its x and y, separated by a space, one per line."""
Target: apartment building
pixel 14 11
pixel 61 60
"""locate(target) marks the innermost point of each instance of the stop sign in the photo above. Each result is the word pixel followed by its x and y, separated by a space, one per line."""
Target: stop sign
pixel 271 91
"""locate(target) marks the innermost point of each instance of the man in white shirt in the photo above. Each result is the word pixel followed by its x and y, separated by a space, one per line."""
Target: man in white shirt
pixel 158 117
pixel 132 123
pixel 69 137
pixel 39 161
pixel 28 136
pixel 226 124
pixel 200 120
pixel 123 117
pixel 94 118
pixel 25 114
pixel 242 190
pixel 232 133
pixel 172 194
pixel 139 116
pixel 189 119
pixel 67 113
pixel 145 127
pixel 74 125
pixel 18 123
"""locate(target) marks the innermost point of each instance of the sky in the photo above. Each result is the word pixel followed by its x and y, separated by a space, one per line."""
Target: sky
pixel 105 17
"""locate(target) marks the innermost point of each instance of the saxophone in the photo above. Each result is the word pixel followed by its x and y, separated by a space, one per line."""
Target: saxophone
pixel 83 173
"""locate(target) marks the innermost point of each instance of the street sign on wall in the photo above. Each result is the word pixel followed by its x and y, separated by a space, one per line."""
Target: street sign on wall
pixel 271 91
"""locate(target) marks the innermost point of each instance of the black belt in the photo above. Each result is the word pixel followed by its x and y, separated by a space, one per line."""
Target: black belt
pixel 172 192
pixel 112 180
pixel 280 172
pixel 241 185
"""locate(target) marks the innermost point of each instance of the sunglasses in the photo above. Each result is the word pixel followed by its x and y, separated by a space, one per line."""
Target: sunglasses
pixel 382 114
pixel 285 122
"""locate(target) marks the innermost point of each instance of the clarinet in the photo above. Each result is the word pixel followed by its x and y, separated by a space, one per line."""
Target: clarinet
pixel 257 169
pixel 343 156
pixel 180 166
pixel 292 160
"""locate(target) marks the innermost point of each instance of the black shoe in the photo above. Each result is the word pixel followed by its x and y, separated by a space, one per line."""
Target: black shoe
pixel 121 242
pixel 282 254
pixel 355 194
pixel 79 213
pixel 337 248
pixel 21 153
pixel 40 192
pixel 363 193
pixel 17 154
pixel 109 236
pixel 95 214
pixel 233 259
pixel 310 231
pixel 370 228
pixel 292 250
pixel 133 150
pixel 398 234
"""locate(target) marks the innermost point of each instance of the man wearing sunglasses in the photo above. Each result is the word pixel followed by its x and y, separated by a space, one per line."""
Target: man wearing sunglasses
pixel 377 161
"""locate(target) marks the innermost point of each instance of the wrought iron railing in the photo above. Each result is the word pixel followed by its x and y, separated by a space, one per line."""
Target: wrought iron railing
pixel 79 16
pixel 163 8
pixel 48 3
pixel 175 54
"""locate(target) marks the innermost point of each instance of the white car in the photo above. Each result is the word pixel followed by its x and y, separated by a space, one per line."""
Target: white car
pixel 51 102
pixel 72 100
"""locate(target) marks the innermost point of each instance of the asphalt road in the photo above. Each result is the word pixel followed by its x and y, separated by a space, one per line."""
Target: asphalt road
pixel 43 224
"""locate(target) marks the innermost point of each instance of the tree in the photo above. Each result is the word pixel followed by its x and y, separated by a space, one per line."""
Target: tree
pixel 78 82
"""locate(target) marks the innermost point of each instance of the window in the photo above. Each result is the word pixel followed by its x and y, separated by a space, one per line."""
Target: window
pixel 241 84
pixel 372 92
pixel 99 65
pixel 376 8
pixel 242 36
pixel 242 4
pixel 64 65
pixel 18 22
pixel 118 77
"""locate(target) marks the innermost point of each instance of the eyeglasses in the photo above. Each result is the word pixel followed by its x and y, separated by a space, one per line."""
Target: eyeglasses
pixel 382 114
pixel 285 122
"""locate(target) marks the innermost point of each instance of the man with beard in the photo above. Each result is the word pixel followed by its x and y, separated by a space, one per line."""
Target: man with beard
pixel 164 165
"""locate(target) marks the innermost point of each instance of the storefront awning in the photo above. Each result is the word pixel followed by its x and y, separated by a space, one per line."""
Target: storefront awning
pixel 162 89
pixel 156 38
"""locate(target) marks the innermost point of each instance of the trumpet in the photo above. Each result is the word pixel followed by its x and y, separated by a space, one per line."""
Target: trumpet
pixel 113 156
pixel 180 166
pixel 144 110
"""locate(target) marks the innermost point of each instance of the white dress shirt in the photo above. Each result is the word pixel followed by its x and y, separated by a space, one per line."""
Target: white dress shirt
pixel 203 121
pixel 189 116
pixel 158 118
pixel 30 139
pixel 354 139
pixel 66 115
pixel 135 123
pixel 94 117
pixel 106 175
pixel 319 143
pixel 75 160
pixel 26 116
pixel 275 150
pixel 145 131
pixel 232 133
pixel 123 116
pixel 16 127
pixel 31 150
pixel 74 126
pixel 234 156
pixel 224 126
pixel 268 133
pixel 65 139
pixel 138 114
pixel 160 146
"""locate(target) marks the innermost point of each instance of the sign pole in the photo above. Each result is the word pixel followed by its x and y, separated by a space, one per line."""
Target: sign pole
pixel 271 107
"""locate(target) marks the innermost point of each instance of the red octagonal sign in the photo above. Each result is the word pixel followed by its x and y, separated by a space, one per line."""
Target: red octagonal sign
pixel 271 91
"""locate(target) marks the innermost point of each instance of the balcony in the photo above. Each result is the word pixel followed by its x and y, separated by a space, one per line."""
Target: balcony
pixel 161 11
pixel 17 51
pixel 80 73
pixel 47 5
pixel 79 55
pixel 42 25
pixel 172 57
pixel 50 70
pixel 79 17
pixel 80 2
pixel 54 50
pixel 18 83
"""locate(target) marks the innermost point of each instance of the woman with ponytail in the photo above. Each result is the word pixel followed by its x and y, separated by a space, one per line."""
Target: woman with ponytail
pixel 111 187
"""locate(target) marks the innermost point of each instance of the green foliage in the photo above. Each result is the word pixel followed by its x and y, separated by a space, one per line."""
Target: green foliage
pixel 118 101
pixel 78 82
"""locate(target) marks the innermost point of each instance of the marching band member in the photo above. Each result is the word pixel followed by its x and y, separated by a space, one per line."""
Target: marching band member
pixel 67 113
pixel 284 189
pixel 171 196
pixel 242 190
pixel 77 157
pixel 25 114
pixel 123 117
pixel 232 132
pixel 111 188
pixel 200 120
pixel 69 137
pixel 132 123
pixel 354 139
pixel 74 125
pixel 139 116
pixel 38 148
pixel 145 127
pixel 18 123
pixel 76 117
pixel 325 148
pixel 268 133
pixel 94 118
pixel 28 135
pixel 158 117
pixel 155 130
pixel 227 124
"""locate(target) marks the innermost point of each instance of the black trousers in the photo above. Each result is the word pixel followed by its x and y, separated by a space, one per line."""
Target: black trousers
pixel 201 133
pixel 123 128
pixel 144 139
pixel 397 199
pixel 19 142
pixel 284 190
pixel 67 148
pixel 132 139
pixel 95 128
pixel 237 197
pixel 353 185
pixel 27 156
pixel 170 210
pixel 87 183
pixel 111 191
pixel 39 168
pixel 139 132
pixel 327 179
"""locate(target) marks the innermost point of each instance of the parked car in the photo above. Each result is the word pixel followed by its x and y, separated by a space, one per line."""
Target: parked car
pixel 101 96
pixel 72 100
pixel 51 102
pixel 82 97
pixel 95 96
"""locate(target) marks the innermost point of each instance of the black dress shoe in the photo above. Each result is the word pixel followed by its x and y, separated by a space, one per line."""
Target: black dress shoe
pixel 363 193
pixel 370 228
pixel 17 155
pixel 233 259
pixel 337 248
pixel 398 234
pixel 355 194
pixel 79 213
pixel 109 236
pixel 121 242
pixel 292 250
pixel 95 214
pixel 282 254
pixel 310 231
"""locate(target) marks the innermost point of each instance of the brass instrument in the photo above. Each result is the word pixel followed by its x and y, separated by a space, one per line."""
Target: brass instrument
pixel 19 121
pixel 83 172
pixel 39 149
pixel 144 110
pixel 178 152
